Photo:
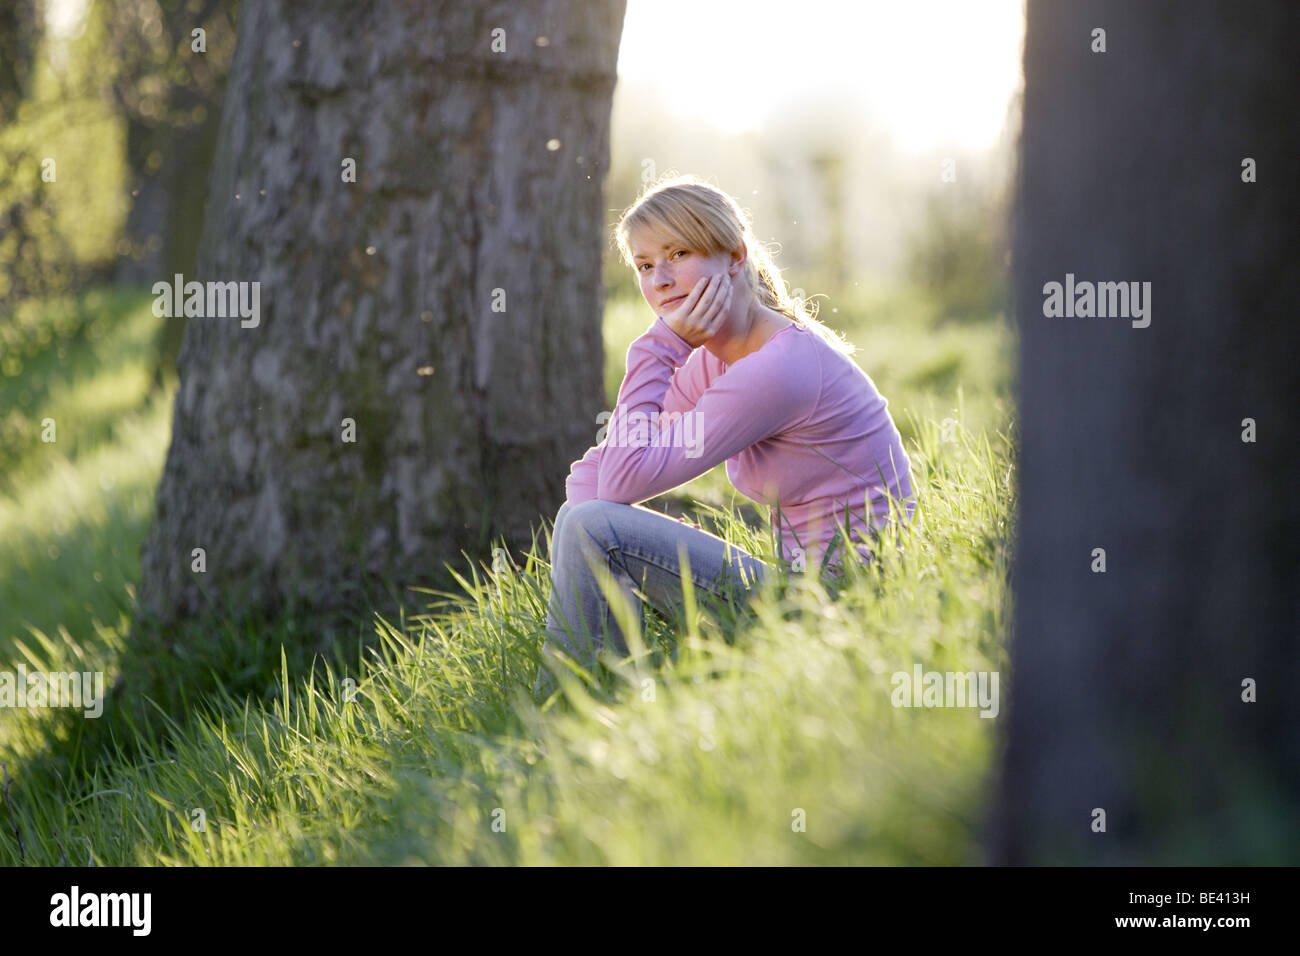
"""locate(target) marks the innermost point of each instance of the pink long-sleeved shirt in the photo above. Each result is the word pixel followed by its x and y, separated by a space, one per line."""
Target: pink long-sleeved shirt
pixel 801 427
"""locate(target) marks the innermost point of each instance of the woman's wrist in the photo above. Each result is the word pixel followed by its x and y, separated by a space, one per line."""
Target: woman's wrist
pixel 668 330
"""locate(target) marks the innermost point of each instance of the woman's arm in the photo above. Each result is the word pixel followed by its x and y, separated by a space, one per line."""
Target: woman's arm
pixel 581 483
pixel 762 395
pixel 687 385
pixel 690 381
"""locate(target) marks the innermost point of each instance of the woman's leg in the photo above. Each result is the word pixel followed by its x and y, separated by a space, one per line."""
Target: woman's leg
pixel 557 527
pixel 639 548
pixel 545 681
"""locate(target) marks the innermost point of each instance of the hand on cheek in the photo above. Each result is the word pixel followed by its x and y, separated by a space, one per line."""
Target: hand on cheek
pixel 699 316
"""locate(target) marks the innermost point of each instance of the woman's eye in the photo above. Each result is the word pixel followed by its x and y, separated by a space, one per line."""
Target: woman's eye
pixel 680 252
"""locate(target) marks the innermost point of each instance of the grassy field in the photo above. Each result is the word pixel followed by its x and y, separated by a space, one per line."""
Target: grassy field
pixel 771 742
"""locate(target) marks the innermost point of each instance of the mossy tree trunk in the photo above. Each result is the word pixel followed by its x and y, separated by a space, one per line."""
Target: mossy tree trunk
pixel 443 310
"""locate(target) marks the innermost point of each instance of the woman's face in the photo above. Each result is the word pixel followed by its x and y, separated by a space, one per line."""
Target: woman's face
pixel 667 270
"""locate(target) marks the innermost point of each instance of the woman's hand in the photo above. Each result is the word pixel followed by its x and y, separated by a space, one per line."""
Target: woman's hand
pixel 699 316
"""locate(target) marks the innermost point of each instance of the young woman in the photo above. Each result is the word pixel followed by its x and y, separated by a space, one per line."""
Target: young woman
pixel 732 369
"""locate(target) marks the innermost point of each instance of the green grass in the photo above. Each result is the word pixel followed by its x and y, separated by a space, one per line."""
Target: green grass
pixel 73 512
pixel 707 747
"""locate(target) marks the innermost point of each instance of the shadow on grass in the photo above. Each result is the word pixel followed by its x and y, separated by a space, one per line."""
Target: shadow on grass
pixel 166 673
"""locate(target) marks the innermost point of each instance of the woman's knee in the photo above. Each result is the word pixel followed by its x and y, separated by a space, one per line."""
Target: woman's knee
pixel 557 526
pixel 577 525
pixel 591 515
pixel 561 528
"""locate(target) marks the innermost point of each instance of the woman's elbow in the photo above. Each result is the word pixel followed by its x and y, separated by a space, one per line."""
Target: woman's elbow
pixel 616 490
pixel 577 491
pixel 615 495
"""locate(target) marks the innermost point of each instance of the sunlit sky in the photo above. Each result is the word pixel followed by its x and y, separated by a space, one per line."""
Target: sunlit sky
pixel 61 16
pixel 931 72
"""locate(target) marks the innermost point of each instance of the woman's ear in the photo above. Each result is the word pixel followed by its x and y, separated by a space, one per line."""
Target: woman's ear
pixel 737 261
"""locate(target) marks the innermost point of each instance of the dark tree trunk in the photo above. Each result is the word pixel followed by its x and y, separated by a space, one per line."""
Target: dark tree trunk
pixel 377 300
pixel 1127 691
pixel 21 26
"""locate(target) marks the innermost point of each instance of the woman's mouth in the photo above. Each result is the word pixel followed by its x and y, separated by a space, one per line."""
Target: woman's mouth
pixel 676 298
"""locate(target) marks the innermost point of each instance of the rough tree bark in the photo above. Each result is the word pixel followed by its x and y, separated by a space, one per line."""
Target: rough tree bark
pixel 1127 685
pixel 479 178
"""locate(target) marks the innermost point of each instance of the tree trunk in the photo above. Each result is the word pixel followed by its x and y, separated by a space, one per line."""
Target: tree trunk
pixel 170 97
pixel 21 28
pixel 170 206
pixel 1127 691
pixel 478 185
pixel 23 203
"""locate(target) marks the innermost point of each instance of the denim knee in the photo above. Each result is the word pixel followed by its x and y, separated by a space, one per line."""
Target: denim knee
pixel 557 526
pixel 589 515
pixel 569 518
pixel 587 534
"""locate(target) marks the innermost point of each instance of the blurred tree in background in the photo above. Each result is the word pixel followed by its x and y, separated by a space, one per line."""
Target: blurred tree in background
pixel 20 31
pixel 168 85
pixel 61 202
pixel 958 252
pixel 958 248
pixel 829 166
pixel 25 207
pixel 106 137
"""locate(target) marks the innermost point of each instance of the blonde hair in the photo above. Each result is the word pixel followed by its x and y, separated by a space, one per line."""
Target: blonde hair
pixel 702 217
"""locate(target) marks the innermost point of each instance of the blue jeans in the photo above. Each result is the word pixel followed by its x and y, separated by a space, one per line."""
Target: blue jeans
pixel 638 547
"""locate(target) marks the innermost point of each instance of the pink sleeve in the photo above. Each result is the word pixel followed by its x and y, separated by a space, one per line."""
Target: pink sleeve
pixel 581 483
pixel 688 383
pixel 757 397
